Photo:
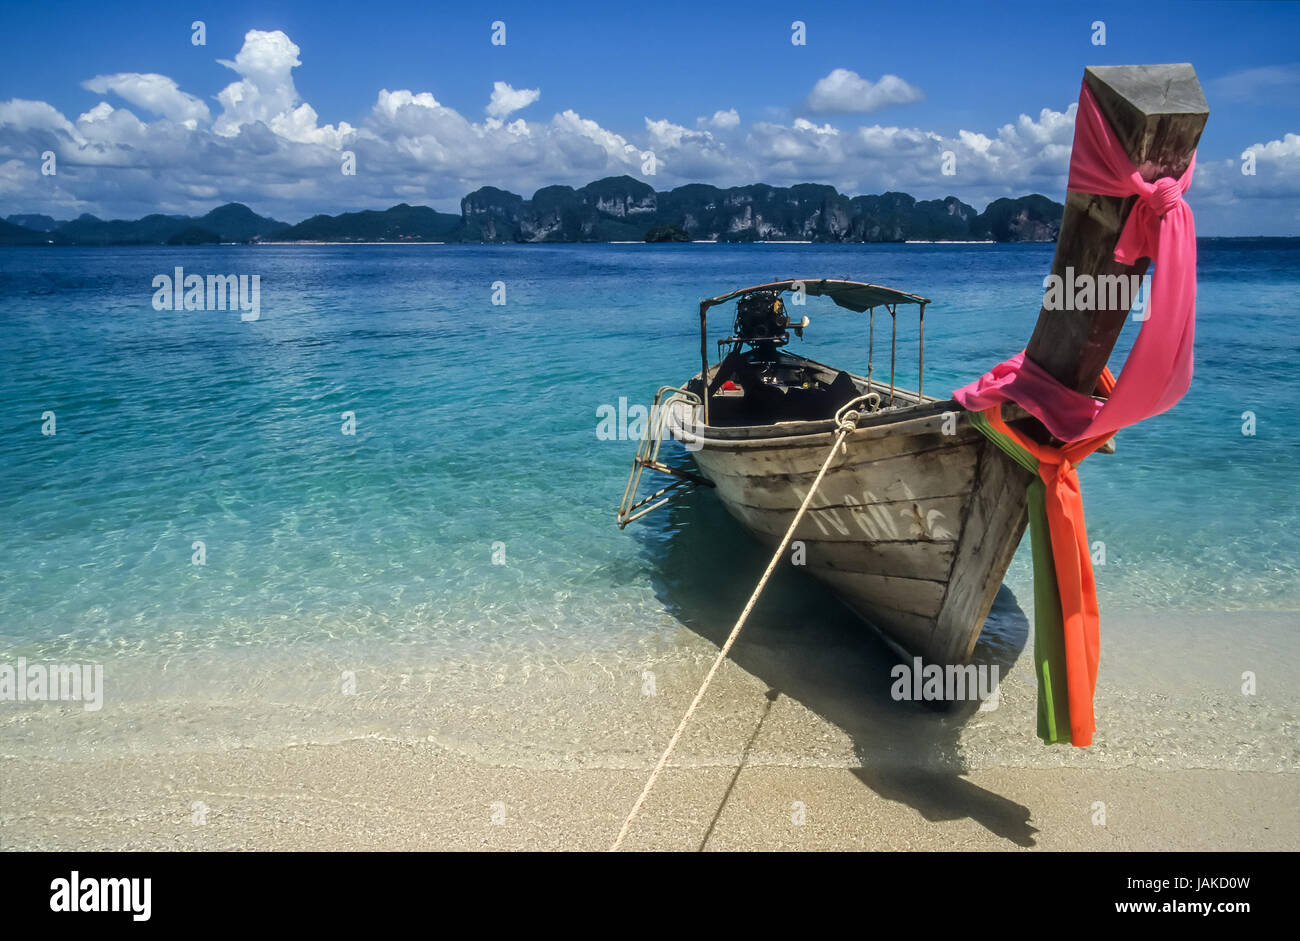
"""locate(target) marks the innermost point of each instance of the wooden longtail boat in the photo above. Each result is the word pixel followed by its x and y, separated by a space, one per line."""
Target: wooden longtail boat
pixel 915 523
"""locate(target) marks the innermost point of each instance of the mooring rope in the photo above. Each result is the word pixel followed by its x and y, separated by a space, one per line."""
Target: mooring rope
pixel 846 420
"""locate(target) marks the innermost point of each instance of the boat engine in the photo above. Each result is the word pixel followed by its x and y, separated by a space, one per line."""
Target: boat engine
pixel 761 321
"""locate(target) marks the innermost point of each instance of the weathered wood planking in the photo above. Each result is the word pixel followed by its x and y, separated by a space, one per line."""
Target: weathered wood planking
pixel 888 527
pixel 940 422
pixel 923 476
pixel 995 520
pixel 906 559
pixel 866 450
pixel 907 633
pixel 928 521
pixel 909 595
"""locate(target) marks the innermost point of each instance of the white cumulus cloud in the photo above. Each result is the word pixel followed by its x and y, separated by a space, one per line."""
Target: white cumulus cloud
pixel 846 92
pixel 152 92
pixel 722 120
pixel 266 93
pixel 261 144
pixel 506 100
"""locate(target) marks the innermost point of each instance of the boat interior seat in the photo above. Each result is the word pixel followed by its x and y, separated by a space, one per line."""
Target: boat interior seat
pixel 761 398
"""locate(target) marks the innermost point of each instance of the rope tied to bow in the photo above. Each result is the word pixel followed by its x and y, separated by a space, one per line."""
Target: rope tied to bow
pixel 846 421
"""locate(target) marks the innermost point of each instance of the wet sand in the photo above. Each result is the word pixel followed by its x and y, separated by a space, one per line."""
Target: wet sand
pixel 375 795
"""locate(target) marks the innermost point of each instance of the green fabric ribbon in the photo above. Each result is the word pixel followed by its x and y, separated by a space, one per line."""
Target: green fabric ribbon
pixel 1049 626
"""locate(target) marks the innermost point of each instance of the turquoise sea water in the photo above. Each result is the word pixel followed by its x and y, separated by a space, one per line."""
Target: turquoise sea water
pixel 476 433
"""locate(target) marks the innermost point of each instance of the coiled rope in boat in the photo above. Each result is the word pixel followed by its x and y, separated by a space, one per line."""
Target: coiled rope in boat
pixel 846 420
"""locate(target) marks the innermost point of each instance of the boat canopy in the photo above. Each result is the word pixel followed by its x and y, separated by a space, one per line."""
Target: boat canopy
pixel 852 295
pixel 857 296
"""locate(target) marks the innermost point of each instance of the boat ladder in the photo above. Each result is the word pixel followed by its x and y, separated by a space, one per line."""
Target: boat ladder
pixel 666 400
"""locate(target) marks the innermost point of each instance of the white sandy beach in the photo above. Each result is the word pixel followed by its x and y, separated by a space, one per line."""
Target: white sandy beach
pixel 377 795
pixel 258 753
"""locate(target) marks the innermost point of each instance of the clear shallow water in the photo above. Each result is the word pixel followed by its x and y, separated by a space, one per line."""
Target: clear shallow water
pixel 476 425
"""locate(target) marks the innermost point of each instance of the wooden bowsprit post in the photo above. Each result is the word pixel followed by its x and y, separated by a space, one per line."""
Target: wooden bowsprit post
pixel 1157 112
pixel 1136 132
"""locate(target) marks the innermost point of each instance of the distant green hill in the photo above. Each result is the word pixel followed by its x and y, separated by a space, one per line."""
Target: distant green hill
pixel 36 222
pixel 151 230
pixel 11 234
pixel 667 233
pixel 623 208
pixel 401 223
pixel 1027 219
pixel 194 235
pixel 233 222
pixel 618 208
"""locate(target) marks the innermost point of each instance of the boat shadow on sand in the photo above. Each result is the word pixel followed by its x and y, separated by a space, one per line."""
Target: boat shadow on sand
pixel 804 644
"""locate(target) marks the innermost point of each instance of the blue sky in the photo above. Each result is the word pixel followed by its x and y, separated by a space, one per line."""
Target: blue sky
pixel 612 79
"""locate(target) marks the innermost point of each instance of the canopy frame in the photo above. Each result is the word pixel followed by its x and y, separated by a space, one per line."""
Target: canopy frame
pixel 857 296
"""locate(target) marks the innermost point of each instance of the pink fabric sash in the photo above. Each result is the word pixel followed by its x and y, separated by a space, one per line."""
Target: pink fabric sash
pixel 1159 367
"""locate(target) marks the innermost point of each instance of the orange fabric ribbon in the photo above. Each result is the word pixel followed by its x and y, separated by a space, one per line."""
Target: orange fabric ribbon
pixel 1072 560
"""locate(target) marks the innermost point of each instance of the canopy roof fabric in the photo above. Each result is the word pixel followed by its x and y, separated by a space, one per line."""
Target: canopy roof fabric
pixel 853 295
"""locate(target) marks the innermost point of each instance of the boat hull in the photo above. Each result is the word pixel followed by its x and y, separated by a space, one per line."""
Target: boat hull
pixel 913 526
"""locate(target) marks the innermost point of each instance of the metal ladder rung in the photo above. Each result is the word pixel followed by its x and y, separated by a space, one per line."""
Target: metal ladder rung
pixel 647 456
